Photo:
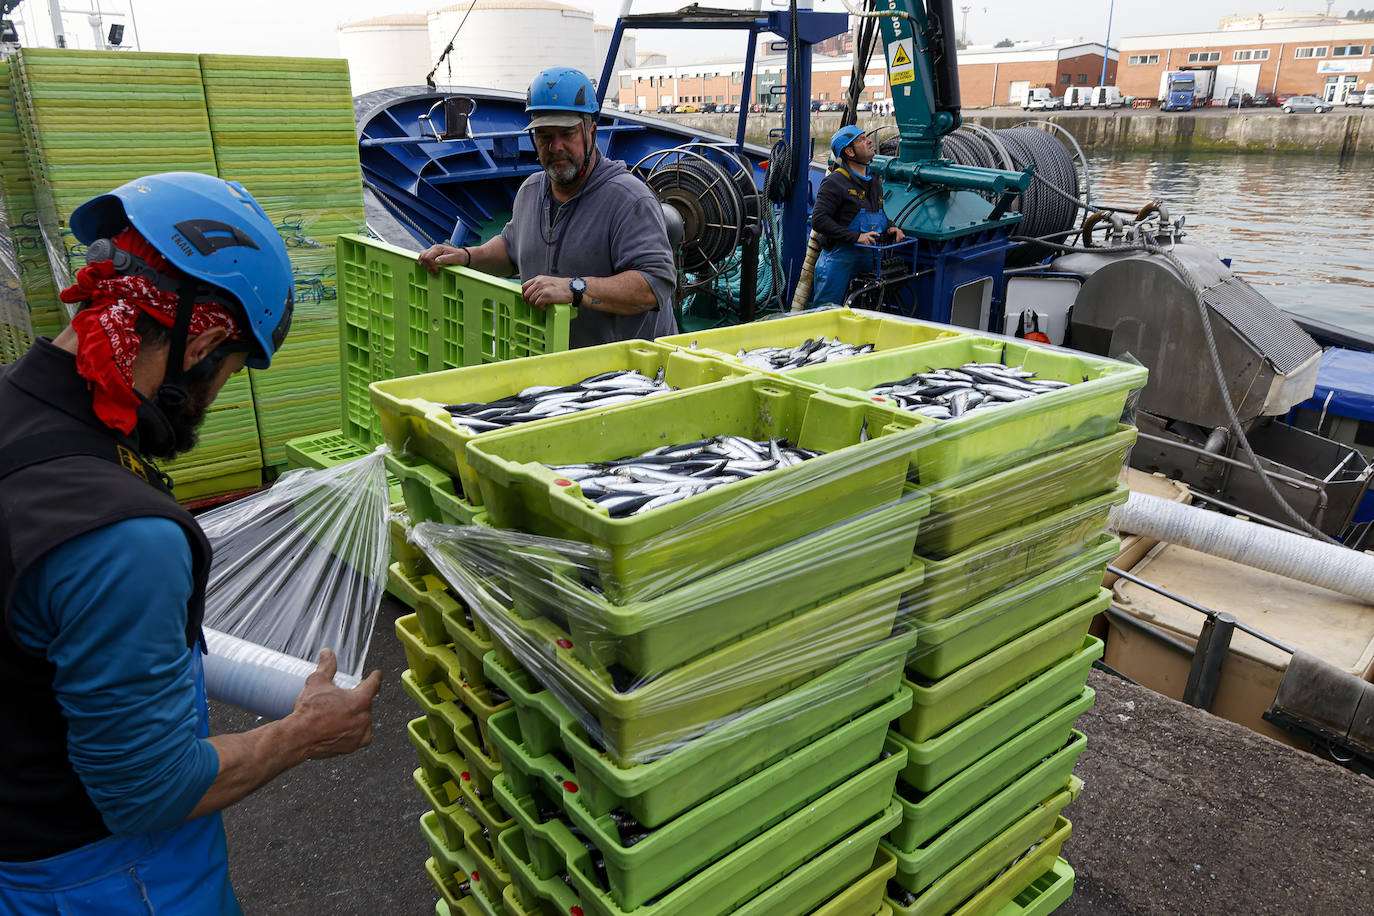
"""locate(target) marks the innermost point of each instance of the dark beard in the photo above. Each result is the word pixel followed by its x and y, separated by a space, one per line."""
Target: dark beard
pixel 184 419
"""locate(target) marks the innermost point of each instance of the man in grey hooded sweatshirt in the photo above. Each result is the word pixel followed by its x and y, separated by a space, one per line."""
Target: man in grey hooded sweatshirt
pixel 584 230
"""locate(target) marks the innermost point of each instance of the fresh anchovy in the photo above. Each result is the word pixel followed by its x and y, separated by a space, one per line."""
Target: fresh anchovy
pixel 661 476
pixel 807 353
pixel 539 402
pixel 944 394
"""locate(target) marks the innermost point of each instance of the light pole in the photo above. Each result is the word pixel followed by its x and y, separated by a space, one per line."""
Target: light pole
pixel 1107 48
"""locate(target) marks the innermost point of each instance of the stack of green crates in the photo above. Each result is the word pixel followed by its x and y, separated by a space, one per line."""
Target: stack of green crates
pixel 766 793
pixel 1015 551
pixel 76 148
pixel 28 302
pixel 284 128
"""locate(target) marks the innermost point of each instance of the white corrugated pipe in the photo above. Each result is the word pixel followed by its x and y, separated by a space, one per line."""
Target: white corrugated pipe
pixel 1314 562
pixel 256 678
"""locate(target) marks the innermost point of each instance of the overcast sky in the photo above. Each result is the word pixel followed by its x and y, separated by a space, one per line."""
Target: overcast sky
pixel 308 28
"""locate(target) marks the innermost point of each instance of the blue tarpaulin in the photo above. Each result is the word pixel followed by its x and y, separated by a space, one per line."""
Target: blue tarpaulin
pixel 1347 378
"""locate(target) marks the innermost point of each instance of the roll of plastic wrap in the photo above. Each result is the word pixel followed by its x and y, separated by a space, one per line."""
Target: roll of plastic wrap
pixel 256 678
pixel 1329 566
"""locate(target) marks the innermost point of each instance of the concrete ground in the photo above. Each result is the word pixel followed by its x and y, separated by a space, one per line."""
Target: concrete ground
pixel 1181 813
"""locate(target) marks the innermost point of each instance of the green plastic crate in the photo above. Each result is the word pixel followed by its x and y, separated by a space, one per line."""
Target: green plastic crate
pixel 748 870
pixel 947 645
pixel 964 513
pixel 648 638
pixel 486 879
pixel 454 731
pixel 1001 893
pixel 658 791
pixel 987 880
pixel 430 663
pixel 885 333
pixel 660 550
pixel 413 418
pixel 980 571
pixel 931 762
pixel 430 493
pixel 396 319
pixel 926 814
pixel 452 891
pixel 921 867
pixel 460 829
pixel 992 439
pixel 648 719
pixel 322 450
pixel 1044 894
pixel 704 833
pixel 942 703
pixel 865 895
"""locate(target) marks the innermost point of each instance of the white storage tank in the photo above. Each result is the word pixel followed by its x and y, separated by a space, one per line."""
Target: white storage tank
pixel 504 43
pixel 386 51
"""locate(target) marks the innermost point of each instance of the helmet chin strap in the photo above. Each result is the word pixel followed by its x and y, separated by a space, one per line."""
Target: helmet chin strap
pixel 173 387
pixel 589 139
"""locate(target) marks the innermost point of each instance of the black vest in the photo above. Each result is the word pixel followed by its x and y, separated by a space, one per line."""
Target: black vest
pixel 63 473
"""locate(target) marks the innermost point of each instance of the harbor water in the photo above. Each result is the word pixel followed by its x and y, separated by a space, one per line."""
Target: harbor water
pixel 1294 226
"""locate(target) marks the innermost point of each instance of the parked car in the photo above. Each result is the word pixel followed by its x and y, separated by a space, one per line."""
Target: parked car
pixel 775 106
pixel 864 106
pixel 1238 100
pixel 758 107
pixel 631 108
pixel 686 109
pixel 1262 100
pixel 1354 98
pixel 1281 98
pixel 708 108
pixel 665 109
pixel 1306 103
pixel 1369 97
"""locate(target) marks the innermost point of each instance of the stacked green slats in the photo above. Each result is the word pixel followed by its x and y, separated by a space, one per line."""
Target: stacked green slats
pixel 284 128
pixel 92 121
pixel 29 297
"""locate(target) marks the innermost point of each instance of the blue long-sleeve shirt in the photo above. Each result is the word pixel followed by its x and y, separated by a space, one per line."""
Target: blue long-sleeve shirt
pixel 108 608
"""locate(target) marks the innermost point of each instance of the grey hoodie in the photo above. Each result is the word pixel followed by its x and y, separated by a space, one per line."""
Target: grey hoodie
pixel 613 224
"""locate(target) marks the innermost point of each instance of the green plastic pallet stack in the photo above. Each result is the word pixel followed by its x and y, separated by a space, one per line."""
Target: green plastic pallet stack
pixel 1014 553
pixel 27 277
pixel 284 128
pixel 92 121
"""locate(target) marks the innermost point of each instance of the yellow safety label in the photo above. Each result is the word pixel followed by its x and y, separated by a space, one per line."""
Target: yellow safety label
pixel 900 68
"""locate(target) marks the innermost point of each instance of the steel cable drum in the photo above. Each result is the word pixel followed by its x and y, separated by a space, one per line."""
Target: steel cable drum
pixel 715 201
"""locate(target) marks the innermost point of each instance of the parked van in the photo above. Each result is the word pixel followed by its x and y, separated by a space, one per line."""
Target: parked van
pixel 1036 99
pixel 1107 97
pixel 1078 97
pixel 1369 96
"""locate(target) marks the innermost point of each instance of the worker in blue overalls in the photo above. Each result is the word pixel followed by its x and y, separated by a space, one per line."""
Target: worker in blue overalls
pixel 848 217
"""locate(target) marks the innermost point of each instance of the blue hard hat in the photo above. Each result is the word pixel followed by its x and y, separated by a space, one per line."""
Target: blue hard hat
pixel 210 229
pixel 844 137
pixel 560 97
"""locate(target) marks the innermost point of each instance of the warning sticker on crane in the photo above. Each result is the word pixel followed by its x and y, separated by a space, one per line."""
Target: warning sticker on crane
pixel 900 68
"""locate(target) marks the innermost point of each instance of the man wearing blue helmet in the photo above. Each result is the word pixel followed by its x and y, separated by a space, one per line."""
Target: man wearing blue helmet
pixel 583 230
pixel 848 217
pixel 110 785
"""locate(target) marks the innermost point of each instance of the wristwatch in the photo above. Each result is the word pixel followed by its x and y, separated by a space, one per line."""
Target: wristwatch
pixel 578 287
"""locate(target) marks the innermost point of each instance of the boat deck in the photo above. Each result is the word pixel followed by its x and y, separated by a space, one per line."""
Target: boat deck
pixel 1181 813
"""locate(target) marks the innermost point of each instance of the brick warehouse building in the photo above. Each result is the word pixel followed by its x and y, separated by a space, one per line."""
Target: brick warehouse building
pixel 1323 60
pixel 987 76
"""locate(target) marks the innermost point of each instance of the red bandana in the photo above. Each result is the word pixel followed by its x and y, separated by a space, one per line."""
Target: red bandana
pixel 106 341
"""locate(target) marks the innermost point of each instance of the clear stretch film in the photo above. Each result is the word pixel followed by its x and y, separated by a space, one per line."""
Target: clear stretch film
pixel 255 678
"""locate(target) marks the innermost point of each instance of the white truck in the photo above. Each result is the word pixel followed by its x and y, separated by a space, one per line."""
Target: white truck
pixel 1038 98
pixel 1107 97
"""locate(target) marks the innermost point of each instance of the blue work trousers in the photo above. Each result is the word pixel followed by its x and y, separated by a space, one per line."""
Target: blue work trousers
pixel 837 266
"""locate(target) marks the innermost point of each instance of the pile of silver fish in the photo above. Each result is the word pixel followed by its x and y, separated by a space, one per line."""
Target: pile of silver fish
pixel 807 353
pixel 633 486
pixel 943 394
pixel 540 401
